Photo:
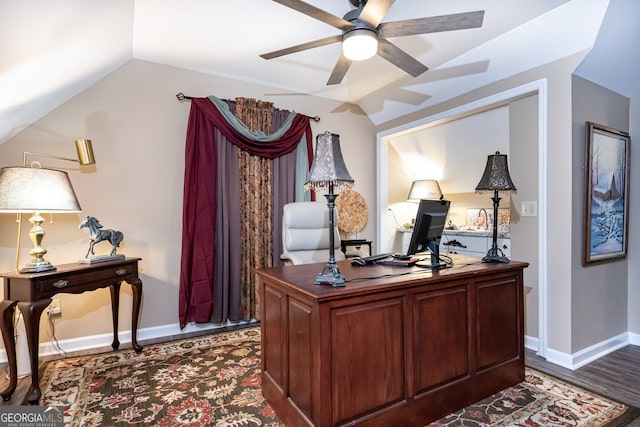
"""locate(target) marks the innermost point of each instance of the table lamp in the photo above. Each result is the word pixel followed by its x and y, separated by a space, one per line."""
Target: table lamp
pixel 36 190
pixel 85 156
pixel 496 178
pixel 328 173
pixel 424 189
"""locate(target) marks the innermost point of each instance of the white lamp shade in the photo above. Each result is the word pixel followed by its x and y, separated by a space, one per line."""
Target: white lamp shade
pixel 359 44
pixel 25 189
pixel 424 189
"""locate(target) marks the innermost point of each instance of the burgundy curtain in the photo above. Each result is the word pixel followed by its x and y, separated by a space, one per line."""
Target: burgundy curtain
pixel 202 243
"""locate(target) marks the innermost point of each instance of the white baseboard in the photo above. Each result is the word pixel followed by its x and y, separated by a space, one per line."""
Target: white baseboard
pixel 587 355
pixel 591 353
pixel 570 361
pixel 531 343
pixel 172 331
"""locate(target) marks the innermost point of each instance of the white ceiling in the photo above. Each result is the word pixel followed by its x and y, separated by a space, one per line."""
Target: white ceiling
pixel 53 50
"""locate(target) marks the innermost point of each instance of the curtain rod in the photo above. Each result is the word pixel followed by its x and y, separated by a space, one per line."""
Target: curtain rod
pixel 182 97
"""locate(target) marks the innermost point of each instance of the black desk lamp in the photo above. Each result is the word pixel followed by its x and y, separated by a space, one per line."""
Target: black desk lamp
pixel 327 173
pixel 496 178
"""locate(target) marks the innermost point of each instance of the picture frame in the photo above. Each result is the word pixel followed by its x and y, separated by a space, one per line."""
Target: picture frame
pixel 606 194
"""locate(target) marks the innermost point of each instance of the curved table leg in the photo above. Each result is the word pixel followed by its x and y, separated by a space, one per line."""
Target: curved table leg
pixel 31 312
pixel 115 307
pixel 7 310
pixel 136 287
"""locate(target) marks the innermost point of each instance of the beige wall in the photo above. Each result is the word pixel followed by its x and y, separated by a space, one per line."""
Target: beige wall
pixel 523 165
pixel 138 131
pixel 599 291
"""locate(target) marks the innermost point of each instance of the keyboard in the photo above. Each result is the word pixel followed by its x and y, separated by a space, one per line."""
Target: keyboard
pixel 370 259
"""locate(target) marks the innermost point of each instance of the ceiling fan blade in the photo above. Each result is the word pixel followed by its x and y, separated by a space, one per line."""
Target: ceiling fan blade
pixel 433 24
pixel 374 11
pixel 400 58
pixel 301 47
pixel 339 71
pixel 316 13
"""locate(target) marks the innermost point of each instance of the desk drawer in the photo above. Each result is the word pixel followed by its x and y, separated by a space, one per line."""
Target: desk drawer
pixel 77 282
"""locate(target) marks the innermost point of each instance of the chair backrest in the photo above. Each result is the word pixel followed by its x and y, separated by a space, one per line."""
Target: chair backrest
pixel 305 233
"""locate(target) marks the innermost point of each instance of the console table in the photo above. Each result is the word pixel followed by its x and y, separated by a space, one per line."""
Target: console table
pixel 397 346
pixel 32 293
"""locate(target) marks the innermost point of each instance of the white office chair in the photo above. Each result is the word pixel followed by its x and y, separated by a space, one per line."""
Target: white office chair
pixel 305 233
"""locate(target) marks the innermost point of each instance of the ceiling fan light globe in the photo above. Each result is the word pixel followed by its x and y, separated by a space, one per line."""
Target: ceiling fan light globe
pixel 360 44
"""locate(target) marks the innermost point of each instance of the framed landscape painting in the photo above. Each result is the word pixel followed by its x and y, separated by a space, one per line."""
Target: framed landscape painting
pixel 606 198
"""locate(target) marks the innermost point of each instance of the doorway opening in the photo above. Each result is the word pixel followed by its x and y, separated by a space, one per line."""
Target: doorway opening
pixel 539 88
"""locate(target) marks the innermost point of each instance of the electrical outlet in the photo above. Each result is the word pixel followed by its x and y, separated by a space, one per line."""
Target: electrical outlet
pixel 55 309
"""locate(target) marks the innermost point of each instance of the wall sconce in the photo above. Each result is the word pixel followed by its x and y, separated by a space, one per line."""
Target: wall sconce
pixel 496 178
pixel 39 190
pixel 424 189
pixel 328 171
pixel 84 149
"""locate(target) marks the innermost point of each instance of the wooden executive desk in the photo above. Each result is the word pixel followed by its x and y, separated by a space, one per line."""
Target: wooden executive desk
pixel 32 293
pixel 389 349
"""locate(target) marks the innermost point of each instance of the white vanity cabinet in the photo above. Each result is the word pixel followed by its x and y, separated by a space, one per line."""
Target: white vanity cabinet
pixel 472 243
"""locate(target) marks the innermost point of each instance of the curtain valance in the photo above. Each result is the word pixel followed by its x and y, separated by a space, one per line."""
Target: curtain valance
pixel 281 142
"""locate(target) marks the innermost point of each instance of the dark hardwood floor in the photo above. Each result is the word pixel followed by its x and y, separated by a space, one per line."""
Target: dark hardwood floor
pixel 616 376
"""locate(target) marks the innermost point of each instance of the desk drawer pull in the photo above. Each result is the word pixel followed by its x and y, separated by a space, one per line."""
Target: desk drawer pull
pixel 121 271
pixel 61 284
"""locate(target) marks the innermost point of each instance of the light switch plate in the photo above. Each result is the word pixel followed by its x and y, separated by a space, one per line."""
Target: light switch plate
pixel 529 208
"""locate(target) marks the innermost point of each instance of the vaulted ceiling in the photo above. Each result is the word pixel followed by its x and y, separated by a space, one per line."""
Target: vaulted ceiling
pixel 53 50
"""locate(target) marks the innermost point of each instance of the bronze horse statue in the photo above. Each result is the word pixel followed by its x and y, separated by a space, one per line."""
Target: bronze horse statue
pixel 98 234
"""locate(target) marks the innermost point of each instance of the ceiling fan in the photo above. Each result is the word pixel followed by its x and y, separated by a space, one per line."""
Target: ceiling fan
pixel 364 23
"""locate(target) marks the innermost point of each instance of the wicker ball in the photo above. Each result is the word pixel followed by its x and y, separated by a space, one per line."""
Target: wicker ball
pixel 353 213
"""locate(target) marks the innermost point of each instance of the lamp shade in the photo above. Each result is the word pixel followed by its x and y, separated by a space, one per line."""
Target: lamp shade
pixel 359 44
pixel 328 166
pixel 496 175
pixel 25 189
pixel 424 189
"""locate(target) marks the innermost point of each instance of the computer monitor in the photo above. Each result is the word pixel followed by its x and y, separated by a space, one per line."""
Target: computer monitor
pixel 427 232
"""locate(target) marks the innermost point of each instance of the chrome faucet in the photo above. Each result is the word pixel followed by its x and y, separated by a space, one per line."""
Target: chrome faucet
pixel 486 218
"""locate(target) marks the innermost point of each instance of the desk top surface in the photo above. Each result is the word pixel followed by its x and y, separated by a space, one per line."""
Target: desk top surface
pixel 362 279
pixel 63 269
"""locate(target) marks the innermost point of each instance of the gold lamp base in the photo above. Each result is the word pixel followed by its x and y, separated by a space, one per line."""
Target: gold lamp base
pixel 38 264
pixel 38 267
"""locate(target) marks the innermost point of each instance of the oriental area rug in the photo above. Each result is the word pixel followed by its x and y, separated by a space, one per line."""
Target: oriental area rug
pixel 214 380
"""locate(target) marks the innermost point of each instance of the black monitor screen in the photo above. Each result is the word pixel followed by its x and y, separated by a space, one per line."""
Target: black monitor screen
pixel 429 225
